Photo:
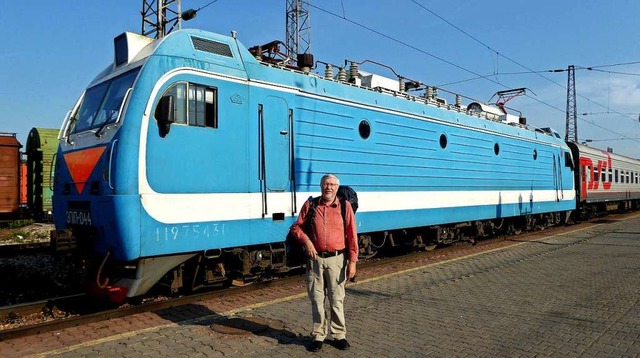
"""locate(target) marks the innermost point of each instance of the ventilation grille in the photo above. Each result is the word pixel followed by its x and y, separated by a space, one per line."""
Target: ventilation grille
pixel 214 47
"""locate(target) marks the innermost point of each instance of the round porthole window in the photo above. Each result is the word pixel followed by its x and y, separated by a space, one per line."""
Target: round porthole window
pixel 443 141
pixel 496 148
pixel 365 129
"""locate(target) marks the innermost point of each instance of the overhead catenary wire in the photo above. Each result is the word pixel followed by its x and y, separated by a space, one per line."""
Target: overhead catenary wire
pixel 539 73
pixel 353 22
pixel 368 28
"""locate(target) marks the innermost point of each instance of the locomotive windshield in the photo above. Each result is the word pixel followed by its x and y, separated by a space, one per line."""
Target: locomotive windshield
pixel 102 103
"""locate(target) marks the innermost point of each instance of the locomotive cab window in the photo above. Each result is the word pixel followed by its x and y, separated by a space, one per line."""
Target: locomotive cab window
pixel 188 104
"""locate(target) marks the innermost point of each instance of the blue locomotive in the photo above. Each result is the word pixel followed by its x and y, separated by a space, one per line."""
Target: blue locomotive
pixel 186 160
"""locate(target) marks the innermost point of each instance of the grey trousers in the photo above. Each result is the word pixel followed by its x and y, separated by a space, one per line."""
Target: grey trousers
pixel 326 278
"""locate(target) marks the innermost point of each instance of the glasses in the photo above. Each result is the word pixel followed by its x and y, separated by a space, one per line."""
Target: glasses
pixel 330 185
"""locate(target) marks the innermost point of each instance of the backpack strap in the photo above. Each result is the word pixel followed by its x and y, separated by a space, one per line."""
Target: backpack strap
pixel 309 221
pixel 343 211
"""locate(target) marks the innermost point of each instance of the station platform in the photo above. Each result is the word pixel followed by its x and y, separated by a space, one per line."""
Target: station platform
pixel 573 294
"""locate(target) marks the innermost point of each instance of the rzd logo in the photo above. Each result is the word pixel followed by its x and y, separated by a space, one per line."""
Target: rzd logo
pixel 592 183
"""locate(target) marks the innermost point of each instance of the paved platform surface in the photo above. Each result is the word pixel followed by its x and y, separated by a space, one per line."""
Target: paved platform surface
pixel 568 295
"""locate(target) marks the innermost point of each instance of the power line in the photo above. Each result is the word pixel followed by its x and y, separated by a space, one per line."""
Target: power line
pixel 344 18
pixel 422 51
pixel 615 72
pixel 525 67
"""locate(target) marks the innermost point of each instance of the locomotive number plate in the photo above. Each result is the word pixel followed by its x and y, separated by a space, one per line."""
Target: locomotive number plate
pixel 79 217
pixel 79 213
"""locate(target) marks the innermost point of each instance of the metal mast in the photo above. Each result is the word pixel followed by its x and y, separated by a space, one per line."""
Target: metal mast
pixel 571 133
pixel 298 28
pixel 160 17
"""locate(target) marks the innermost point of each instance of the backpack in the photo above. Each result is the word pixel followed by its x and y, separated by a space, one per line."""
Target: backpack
pixel 344 193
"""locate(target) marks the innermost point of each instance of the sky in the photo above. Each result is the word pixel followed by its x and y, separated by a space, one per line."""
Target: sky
pixel 51 50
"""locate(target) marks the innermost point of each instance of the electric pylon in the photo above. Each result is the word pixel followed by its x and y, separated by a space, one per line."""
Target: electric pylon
pixel 571 133
pixel 298 28
pixel 160 17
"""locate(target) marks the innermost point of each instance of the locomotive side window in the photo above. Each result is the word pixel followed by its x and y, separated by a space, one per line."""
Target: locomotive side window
pixel 443 141
pixel 203 106
pixel 567 160
pixel 193 104
pixel 179 93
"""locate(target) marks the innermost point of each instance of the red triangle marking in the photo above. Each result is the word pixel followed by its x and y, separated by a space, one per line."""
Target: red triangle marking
pixel 81 164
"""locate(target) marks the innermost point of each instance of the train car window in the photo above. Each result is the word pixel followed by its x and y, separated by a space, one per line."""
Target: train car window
pixel 567 160
pixel 179 93
pixel 616 176
pixel 610 176
pixel 364 129
pixel 596 175
pixel 443 141
pixel 195 105
pixel 102 102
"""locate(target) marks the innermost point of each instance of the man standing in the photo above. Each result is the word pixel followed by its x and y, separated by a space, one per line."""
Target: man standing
pixel 330 243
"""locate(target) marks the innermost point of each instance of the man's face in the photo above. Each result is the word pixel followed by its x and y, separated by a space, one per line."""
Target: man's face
pixel 329 189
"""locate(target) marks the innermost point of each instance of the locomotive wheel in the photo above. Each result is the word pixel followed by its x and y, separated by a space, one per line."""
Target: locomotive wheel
pixel 430 247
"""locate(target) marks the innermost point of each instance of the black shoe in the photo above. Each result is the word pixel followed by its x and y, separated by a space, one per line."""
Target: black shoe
pixel 342 344
pixel 315 346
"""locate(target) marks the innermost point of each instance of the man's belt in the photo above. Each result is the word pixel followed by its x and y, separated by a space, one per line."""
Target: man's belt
pixel 325 254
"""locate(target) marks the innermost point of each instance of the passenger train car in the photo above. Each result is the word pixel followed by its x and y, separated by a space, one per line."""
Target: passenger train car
pixel 605 181
pixel 186 160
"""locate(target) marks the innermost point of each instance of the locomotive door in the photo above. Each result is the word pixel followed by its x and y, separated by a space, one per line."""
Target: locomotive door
pixel 275 156
pixel 557 177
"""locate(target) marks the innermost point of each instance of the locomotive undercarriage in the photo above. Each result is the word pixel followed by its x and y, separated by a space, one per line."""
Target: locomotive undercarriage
pixel 234 266
pixel 428 238
pixel 242 265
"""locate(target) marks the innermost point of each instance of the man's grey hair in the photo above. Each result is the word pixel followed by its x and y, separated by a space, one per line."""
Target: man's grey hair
pixel 327 176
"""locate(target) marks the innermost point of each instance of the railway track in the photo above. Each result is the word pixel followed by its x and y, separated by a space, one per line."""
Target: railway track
pixel 77 310
pixel 10 250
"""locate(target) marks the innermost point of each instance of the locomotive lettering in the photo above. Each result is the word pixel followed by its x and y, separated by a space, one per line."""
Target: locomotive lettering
pixel 75 217
pixel 184 232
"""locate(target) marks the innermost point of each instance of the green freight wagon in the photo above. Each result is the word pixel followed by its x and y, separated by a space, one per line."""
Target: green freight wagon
pixel 41 148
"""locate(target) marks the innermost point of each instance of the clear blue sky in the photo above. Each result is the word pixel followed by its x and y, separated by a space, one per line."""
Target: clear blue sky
pixel 50 51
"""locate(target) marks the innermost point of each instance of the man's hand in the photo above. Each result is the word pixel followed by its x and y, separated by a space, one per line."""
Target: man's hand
pixel 311 250
pixel 351 270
